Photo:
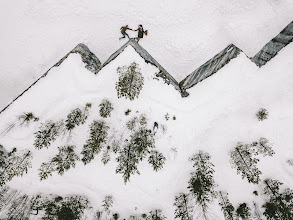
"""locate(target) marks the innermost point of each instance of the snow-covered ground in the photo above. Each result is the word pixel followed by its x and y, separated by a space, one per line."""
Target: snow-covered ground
pixel 219 112
pixel 182 36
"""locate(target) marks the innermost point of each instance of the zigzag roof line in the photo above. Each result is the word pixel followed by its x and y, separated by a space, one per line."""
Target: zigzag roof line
pixel 206 70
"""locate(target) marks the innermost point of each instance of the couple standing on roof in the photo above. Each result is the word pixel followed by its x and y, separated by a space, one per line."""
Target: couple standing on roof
pixel 140 30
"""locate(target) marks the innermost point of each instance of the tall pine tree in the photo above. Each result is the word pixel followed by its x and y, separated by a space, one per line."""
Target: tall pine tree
pixel 226 206
pixel 184 207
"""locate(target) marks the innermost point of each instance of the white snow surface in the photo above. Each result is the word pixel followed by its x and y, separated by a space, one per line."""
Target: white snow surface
pixel 219 112
pixel 182 35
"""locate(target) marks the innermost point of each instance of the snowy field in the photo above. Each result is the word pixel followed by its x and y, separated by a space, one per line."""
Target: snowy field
pixel 219 112
pixel 182 36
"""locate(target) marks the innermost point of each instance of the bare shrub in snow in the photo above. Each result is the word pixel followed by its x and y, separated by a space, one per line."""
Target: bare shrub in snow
pixel 184 206
pixel 243 212
pixel 77 117
pixel 106 108
pixel 157 160
pixel 279 205
pixel 262 114
pixel 48 132
pixel 290 162
pixel 202 184
pixel 69 208
pixel 63 161
pixel 130 81
pixel 226 206
pixel 107 204
pixel 96 141
pixel 155 215
pixel 14 164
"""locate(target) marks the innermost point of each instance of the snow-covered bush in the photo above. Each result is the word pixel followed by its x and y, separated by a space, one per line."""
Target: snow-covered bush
pixel 48 132
pixel 184 207
pixel 26 118
pixel 127 112
pixel 155 215
pixel 106 108
pixel 243 212
pixel 167 116
pixel 77 117
pixel 262 114
pixel 106 155
pixel 130 81
pixel 14 164
pixel 132 123
pixel 202 184
pixel 96 141
pixel 157 160
pixel 63 161
pixel 69 208
pixel 290 162
pixel 279 205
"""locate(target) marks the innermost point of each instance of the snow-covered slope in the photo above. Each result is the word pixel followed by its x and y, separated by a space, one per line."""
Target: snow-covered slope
pixel 219 113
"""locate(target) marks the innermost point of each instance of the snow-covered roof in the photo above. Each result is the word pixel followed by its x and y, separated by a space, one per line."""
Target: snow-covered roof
pixel 92 63
pixel 148 58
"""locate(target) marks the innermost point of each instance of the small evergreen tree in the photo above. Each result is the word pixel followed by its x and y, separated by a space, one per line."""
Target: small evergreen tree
pixel 96 141
pixel 127 112
pixel 157 160
pixel 132 123
pixel 241 158
pixel 226 206
pixel 127 162
pixel 156 215
pixel 107 204
pixel 142 120
pixel 130 81
pixel 63 161
pixel 262 114
pixel 184 208
pixel 106 108
pixel 243 211
pixel 106 155
pixel 48 132
pixel 202 184
pixel 77 117
pixel 26 118
pixel 16 164
pixel 279 205
pixel 142 140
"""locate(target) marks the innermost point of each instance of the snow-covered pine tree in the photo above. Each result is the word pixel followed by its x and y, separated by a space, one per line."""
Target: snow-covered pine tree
pixel 155 215
pixel 107 204
pixel 77 117
pixel 143 120
pixel 262 147
pixel 96 141
pixel 130 81
pixel 184 207
pixel 106 108
pixel 279 205
pixel 17 164
pixel 242 158
pixel 3 157
pixel 142 141
pixel 226 206
pixel 262 114
pixel 202 184
pixel 48 132
pixel 127 162
pixel 156 159
pixel 63 161
pixel 243 212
